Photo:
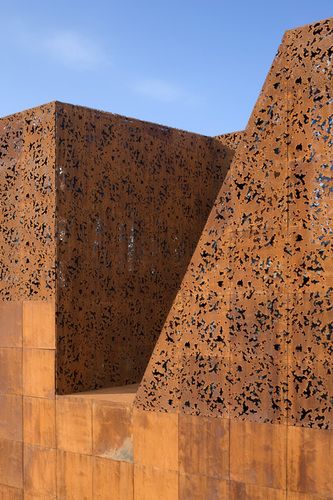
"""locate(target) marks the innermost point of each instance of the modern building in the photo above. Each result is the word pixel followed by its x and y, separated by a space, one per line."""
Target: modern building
pixel 166 298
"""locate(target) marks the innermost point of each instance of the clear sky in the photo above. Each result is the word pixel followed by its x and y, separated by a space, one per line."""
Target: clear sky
pixel 192 64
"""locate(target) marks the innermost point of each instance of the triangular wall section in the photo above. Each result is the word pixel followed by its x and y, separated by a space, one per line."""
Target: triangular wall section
pixel 249 334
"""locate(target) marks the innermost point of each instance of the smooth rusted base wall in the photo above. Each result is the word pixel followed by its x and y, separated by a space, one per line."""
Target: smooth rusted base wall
pixel 192 457
pixel 27 399
pixel 97 446
pixel 75 447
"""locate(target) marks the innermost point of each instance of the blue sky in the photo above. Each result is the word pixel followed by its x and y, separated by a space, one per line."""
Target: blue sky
pixel 190 64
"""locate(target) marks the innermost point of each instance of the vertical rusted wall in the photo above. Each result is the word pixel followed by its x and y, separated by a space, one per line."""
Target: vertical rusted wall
pixel 267 249
pixel 132 199
pixel 27 160
pixel 249 338
pixel 128 200
pixel 27 287
pixel 240 381
pixel 98 212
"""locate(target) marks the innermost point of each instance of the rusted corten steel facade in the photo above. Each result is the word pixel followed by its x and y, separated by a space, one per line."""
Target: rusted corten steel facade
pixel 100 216
pixel 102 213
pixel 246 351
pixel 132 200
pixel 253 310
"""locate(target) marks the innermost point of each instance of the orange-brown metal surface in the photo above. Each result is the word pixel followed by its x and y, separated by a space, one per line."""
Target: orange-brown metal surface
pixel 236 403
pixel 250 333
pixel 102 212
pixel 89 266
pixel 27 163
pixel 132 199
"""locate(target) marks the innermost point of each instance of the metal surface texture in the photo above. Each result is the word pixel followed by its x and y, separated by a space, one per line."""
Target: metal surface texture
pixel 27 165
pixel 102 213
pixel 100 217
pixel 132 200
pixel 250 332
